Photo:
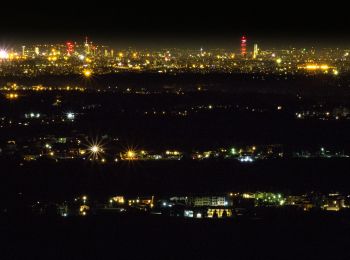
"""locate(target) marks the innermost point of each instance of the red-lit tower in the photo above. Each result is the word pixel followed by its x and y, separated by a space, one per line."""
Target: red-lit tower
pixel 70 48
pixel 243 46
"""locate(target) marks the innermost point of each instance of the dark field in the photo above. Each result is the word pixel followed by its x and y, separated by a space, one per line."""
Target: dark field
pixel 65 180
pixel 153 237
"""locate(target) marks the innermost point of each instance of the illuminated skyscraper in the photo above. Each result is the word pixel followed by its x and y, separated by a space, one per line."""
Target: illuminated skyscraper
pixel 36 50
pixel 23 51
pixel 255 51
pixel 243 46
pixel 70 48
pixel 87 46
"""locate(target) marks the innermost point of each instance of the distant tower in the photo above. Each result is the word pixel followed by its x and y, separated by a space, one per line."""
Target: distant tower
pixel 23 51
pixel 255 51
pixel 112 53
pixel 36 50
pixel 70 48
pixel 243 46
pixel 87 46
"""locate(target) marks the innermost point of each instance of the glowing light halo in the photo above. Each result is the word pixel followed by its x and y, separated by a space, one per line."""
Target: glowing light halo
pixel 4 54
pixel 95 149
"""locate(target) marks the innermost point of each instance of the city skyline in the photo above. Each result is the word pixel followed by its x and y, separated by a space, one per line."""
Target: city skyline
pixel 179 41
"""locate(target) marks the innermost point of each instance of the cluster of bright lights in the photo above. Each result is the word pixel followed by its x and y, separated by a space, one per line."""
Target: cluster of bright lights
pixel 246 159
pixel 317 67
pixel 12 96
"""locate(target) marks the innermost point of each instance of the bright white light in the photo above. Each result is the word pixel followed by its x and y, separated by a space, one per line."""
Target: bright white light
pixel 70 116
pixel 4 54
pixel 95 149
pixel 246 159
pixel 81 57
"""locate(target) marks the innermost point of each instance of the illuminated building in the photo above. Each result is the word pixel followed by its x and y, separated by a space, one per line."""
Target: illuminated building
pixel 37 50
pixel 219 213
pixel 23 50
pixel 87 46
pixel 255 51
pixel 243 46
pixel 209 201
pixel 118 199
pixel 70 48
pixel 12 96
pixel 141 202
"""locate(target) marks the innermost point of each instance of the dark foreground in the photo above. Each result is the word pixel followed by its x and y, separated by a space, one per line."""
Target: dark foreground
pixel 156 237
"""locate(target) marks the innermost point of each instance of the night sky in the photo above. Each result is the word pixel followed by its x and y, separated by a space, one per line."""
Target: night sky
pixel 177 24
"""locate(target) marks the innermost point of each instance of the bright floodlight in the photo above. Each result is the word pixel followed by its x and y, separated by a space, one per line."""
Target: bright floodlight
pixel 87 73
pixel 4 54
pixel 95 149
pixel 131 154
pixel 70 116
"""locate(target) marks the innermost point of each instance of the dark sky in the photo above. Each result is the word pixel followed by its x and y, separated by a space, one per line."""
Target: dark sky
pixel 180 23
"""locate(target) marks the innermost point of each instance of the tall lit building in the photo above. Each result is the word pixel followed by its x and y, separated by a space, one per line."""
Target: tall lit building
pixel 87 46
pixel 36 50
pixel 243 46
pixel 255 51
pixel 70 48
pixel 23 51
